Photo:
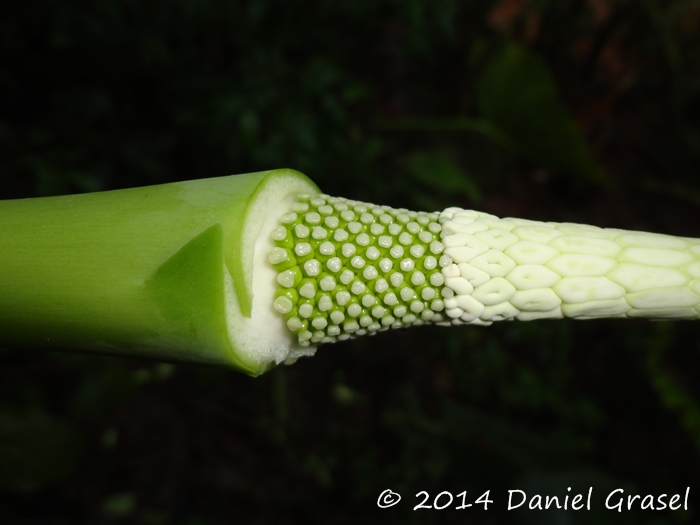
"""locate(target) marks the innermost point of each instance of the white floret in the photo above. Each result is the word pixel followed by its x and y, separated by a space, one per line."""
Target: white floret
pixel 516 268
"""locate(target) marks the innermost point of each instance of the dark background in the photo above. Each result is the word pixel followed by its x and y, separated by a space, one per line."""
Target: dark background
pixel 562 110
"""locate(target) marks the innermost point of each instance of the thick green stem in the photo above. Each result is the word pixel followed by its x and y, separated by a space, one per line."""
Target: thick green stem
pixel 147 271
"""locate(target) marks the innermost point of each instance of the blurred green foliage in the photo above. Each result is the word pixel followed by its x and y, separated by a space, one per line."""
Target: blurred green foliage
pixel 581 110
pixel 518 95
pixel 36 449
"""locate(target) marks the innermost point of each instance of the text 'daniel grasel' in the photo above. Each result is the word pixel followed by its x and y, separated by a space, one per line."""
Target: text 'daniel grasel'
pixel 616 500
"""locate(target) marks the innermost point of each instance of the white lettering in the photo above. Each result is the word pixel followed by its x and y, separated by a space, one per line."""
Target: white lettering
pixel 662 502
pixel 648 502
pixel 550 500
pixel 510 496
pixel 630 501
pixel 618 505
pixel 674 499
pixel 575 502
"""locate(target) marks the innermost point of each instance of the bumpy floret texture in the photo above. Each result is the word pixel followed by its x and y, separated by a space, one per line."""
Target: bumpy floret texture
pixel 520 269
pixel 347 268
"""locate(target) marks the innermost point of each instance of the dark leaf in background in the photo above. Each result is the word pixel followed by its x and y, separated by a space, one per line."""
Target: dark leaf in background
pixel 437 171
pixel 518 95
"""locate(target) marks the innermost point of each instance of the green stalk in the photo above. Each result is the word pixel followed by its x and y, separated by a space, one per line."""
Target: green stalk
pixel 255 270
pixel 164 271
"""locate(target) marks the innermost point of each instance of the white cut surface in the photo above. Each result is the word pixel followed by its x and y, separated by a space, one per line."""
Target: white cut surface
pixel 264 337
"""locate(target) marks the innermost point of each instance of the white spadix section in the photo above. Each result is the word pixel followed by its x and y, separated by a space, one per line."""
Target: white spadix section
pixel 264 337
pixel 503 269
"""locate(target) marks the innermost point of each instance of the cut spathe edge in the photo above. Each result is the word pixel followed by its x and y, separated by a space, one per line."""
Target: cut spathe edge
pixel 263 339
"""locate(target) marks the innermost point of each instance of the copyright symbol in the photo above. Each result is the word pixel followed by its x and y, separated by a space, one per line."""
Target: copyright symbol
pixel 388 498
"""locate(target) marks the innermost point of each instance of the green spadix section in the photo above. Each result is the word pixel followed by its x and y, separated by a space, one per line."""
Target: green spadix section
pixel 349 268
pixel 139 271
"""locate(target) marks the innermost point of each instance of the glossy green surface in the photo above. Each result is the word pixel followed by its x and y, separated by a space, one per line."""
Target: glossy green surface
pixel 137 271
